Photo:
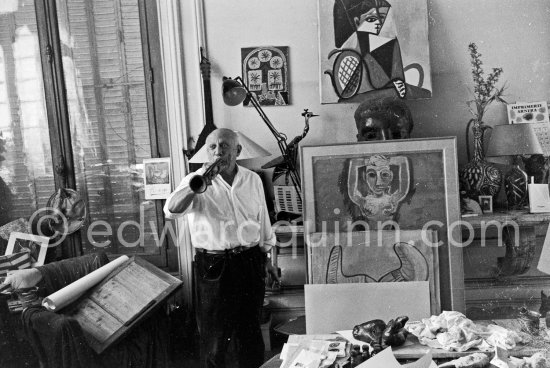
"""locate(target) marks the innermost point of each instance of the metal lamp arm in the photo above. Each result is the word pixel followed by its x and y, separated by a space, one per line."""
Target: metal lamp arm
pixel 281 138
pixel 256 104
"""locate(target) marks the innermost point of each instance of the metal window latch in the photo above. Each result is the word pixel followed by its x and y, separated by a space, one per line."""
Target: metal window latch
pixel 60 166
pixel 49 53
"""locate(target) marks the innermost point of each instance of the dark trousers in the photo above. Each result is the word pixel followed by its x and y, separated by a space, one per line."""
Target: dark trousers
pixel 229 293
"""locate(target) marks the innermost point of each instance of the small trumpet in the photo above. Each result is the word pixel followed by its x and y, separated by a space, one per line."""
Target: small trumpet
pixel 199 183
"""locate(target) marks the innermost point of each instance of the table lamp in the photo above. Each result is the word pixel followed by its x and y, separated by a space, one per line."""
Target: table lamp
pixel 234 92
pixel 514 140
pixel 249 150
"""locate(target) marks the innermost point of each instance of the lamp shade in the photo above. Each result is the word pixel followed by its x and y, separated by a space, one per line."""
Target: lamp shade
pixel 233 92
pixel 514 139
pixel 250 149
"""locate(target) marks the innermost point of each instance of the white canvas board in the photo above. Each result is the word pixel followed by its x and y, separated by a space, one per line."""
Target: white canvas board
pixel 539 198
pixel 336 307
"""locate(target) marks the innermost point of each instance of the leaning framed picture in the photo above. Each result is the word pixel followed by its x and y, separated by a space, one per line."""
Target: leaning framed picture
pixel 36 245
pixel 486 203
pixel 398 185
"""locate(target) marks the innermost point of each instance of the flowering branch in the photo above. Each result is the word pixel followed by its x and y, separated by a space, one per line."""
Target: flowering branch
pixel 485 90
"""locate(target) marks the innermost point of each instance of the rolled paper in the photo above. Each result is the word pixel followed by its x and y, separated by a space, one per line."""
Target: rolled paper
pixel 63 297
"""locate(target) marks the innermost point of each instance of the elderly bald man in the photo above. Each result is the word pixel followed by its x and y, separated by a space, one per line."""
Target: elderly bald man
pixel 232 235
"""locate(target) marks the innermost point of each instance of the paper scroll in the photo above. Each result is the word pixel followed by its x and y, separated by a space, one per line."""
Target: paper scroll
pixel 72 292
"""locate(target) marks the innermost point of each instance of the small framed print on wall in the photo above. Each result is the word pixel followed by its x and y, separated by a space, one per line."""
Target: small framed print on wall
pixel 265 72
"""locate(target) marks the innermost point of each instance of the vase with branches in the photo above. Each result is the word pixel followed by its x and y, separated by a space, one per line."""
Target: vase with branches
pixel 479 177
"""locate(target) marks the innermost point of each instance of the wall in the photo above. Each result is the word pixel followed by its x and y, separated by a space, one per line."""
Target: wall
pixel 510 34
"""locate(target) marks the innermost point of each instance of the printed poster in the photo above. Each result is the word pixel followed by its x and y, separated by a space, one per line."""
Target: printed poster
pixel 156 175
pixel 534 113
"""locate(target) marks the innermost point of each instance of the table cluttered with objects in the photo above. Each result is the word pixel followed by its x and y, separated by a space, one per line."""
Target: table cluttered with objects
pixel 449 339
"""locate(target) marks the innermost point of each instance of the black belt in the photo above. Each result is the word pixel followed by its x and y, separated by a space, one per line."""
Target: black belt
pixel 231 251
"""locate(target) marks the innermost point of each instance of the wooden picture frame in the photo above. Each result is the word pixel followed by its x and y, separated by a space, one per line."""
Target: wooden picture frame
pixel 35 244
pixel 114 307
pixel 420 193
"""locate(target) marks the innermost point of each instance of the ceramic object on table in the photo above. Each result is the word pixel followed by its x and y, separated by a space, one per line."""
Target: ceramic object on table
pixel 479 177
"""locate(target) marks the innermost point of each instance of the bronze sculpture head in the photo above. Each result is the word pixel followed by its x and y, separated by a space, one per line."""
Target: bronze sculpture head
pixel 383 119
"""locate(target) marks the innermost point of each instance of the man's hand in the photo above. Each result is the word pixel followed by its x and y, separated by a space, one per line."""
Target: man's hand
pixel 272 271
pixel 272 280
pixel 22 279
pixel 220 167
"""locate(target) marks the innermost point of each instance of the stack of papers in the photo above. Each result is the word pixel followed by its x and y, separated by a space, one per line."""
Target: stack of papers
pixel 321 351
pixel 312 354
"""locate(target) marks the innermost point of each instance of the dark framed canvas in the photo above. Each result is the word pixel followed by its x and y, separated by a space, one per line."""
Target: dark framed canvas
pixel 398 185
pixel 266 74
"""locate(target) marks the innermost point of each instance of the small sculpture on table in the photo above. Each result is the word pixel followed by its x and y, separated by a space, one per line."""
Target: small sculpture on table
pixel 380 335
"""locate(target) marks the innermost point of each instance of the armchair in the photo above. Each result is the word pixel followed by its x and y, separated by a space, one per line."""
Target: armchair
pixel 58 340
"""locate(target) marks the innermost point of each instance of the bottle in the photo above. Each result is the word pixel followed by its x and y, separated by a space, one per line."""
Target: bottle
pixel 530 320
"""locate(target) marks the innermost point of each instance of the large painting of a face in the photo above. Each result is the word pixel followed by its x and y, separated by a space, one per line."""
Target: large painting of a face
pixel 378 179
pixel 392 185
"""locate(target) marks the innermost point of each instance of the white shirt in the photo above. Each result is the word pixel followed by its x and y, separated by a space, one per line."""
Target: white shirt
pixel 226 216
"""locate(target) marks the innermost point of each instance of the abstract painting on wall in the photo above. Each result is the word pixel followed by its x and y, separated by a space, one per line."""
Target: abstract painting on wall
pixel 373 49
pixel 265 72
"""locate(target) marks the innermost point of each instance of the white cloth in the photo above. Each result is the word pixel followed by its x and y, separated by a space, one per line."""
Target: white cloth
pixel 226 216
pixel 452 331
